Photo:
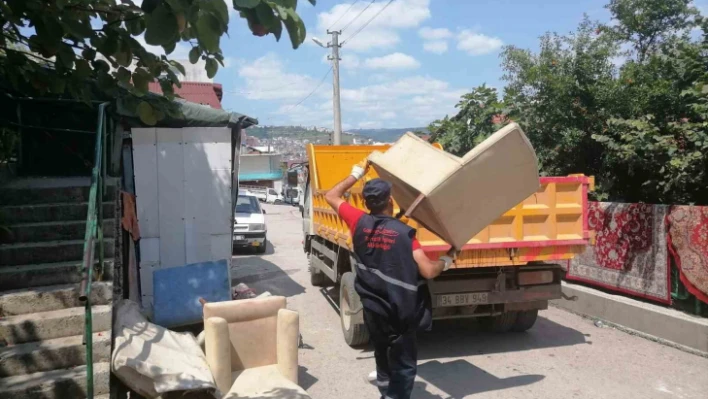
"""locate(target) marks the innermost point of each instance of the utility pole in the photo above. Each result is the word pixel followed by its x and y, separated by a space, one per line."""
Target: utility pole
pixel 337 139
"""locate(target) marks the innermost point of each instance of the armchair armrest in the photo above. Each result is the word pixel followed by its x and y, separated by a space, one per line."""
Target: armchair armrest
pixel 287 343
pixel 218 352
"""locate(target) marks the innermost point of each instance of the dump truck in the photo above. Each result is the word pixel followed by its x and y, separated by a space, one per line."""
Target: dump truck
pixel 503 276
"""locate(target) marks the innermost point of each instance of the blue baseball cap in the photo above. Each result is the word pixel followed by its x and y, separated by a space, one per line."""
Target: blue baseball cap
pixel 376 193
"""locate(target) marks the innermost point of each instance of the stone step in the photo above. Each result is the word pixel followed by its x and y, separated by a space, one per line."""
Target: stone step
pixel 56 384
pixel 45 299
pixel 50 231
pixel 33 195
pixel 44 274
pixel 58 353
pixel 47 252
pixel 53 324
pixel 54 212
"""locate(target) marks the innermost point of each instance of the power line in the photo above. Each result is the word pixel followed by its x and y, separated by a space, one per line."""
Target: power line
pixel 358 15
pixel 342 16
pixel 367 22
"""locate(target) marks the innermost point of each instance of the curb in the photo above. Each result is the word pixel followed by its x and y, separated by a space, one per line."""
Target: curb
pixel 666 326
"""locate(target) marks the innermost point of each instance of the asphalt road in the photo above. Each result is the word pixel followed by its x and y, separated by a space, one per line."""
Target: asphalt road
pixel 563 356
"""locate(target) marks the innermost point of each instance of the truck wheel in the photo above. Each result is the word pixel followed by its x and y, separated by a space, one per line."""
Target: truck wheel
pixel 355 332
pixel 525 320
pixel 317 278
pixel 498 324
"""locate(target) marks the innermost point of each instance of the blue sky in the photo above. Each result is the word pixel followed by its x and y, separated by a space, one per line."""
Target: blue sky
pixel 408 67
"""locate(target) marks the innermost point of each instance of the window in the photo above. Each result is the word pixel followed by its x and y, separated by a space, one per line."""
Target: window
pixel 272 192
pixel 247 204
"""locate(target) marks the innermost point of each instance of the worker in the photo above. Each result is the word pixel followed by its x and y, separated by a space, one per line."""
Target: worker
pixel 391 274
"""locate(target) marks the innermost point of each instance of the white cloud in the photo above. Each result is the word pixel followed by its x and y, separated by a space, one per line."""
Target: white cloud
pixel 428 33
pixel 392 61
pixel 476 43
pixel 435 46
pixel 413 100
pixel 381 32
pixel 434 39
pixel 266 79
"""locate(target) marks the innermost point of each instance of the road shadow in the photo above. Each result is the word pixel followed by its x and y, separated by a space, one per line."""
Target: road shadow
pixel 459 379
pixel 464 337
pixel 239 251
pixel 305 379
pixel 262 275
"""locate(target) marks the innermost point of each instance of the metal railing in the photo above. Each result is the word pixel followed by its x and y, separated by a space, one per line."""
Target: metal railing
pixel 94 234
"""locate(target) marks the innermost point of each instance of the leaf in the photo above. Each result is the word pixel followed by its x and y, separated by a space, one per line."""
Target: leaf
pixel 135 24
pixel 181 22
pixel 146 113
pixel 218 9
pixel 266 16
pixel 58 85
pixel 83 69
pixel 167 89
pixel 194 54
pixel 76 28
pixel 211 67
pixel 246 3
pixel 125 56
pixel 208 33
pixel 123 75
pixel 179 67
pixel 149 5
pixel 169 47
pixel 296 28
pixel 141 80
pixel 89 54
pixel 161 27
pixel 66 56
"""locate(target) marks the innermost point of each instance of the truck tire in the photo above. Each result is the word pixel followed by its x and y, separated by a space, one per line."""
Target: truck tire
pixel 498 324
pixel 317 278
pixel 525 320
pixel 262 249
pixel 355 333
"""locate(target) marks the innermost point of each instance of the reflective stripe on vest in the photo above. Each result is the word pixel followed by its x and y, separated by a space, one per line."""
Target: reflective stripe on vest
pixel 391 280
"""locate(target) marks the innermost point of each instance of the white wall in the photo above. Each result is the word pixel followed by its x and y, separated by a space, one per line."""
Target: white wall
pixel 183 195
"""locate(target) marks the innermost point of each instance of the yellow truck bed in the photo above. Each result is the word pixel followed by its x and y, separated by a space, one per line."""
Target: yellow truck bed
pixel 550 225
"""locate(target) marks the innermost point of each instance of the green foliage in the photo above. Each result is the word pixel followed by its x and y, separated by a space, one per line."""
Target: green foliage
pixel 96 39
pixel 637 120
pixel 480 115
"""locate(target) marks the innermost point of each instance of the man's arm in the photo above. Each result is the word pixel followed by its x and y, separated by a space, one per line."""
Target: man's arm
pixel 335 194
pixel 430 269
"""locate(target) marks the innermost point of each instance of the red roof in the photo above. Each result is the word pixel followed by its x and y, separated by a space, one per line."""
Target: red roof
pixel 196 92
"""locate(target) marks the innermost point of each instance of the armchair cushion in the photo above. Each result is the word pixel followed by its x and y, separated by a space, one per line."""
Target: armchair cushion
pixel 264 382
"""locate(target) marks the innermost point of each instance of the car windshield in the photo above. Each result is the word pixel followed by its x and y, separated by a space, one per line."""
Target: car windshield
pixel 247 204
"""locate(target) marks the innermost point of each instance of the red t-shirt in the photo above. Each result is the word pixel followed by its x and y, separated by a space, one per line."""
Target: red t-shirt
pixel 352 215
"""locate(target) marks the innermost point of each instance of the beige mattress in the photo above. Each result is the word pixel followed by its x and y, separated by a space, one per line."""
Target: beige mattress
pixel 454 197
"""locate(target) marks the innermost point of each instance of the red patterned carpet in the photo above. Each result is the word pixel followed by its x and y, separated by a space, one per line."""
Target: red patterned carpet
pixel 688 232
pixel 630 253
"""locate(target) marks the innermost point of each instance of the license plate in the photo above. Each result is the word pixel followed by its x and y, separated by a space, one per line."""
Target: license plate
pixel 474 298
pixel 239 238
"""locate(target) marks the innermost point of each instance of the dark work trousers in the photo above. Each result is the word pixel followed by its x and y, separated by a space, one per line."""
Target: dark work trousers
pixel 396 356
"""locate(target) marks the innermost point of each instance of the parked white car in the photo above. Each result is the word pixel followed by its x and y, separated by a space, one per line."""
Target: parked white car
pixel 249 227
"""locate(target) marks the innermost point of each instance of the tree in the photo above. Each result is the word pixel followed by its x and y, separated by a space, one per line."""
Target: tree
pixel 646 23
pixel 97 39
pixel 480 114
pixel 563 95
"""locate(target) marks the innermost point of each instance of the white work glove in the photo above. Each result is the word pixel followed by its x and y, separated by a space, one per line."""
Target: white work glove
pixel 447 260
pixel 359 170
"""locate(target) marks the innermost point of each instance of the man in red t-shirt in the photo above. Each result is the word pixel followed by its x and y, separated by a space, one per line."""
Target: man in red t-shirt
pixel 391 274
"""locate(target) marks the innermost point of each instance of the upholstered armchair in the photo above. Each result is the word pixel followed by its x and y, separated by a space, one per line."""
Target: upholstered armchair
pixel 251 347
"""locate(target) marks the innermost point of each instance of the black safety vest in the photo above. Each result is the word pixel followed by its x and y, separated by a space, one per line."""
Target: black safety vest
pixel 387 277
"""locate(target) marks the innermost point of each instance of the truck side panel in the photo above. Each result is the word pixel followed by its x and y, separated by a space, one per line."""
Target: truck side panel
pixel 549 226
